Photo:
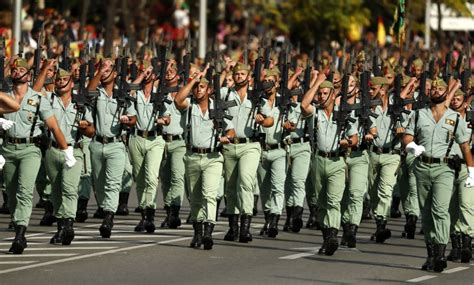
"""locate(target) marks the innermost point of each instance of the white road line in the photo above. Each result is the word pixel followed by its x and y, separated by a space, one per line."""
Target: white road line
pixel 37 255
pixel 456 269
pixel 133 233
pixel 104 241
pixel 9 243
pixel 297 255
pixel 422 278
pixel 113 236
pixel 53 248
pixel 18 262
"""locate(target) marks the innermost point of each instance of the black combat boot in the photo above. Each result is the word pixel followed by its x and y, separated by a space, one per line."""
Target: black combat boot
pixel 233 232
pixel 81 213
pixel 4 209
pixel 381 234
pixel 273 225
pixel 289 219
pixel 140 227
pixel 394 209
pixel 48 217
pixel 255 205
pixel 331 244
pixel 207 237
pixel 164 224
pixel 352 241
pixel 19 243
pixel 122 209
pixel 455 254
pixel 439 260
pixel 150 220
pixel 410 226
pixel 312 216
pixel 322 249
pixel 68 231
pixel 99 214
pixel 40 204
pixel 174 220
pixel 345 234
pixel 58 236
pixel 466 250
pixel 245 235
pixel 428 265
pixel 264 230
pixel 197 237
pixel 107 224
pixel 297 219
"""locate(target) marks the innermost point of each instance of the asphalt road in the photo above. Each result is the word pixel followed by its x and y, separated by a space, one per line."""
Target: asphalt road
pixel 164 257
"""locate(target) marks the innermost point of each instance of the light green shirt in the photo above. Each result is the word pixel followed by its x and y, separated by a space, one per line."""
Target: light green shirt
pixel 178 119
pixel 302 124
pixel 386 137
pixel 273 134
pixel 328 134
pixel 107 118
pixel 144 107
pixel 24 117
pixel 435 136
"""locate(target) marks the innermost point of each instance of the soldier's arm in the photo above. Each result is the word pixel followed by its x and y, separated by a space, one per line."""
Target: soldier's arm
pixel 180 99
pixel 87 128
pixel 466 153
pixel 407 139
pixel 456 85
pixel 8 104
pixel 306 107
pixel 53 127
pixel 40 80
pixel 94 82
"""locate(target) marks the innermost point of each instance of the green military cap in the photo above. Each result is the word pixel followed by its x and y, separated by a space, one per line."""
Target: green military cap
pixel 63 73
pixel 361 56
pixel 272 72
pixel 20 62
pixel 241 66
pixel 326 84
pixel 418 63
pixel 439 82
pixel 378 81
pixel 459 92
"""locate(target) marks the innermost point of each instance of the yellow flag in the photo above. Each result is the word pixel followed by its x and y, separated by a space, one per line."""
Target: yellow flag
pixel 381 34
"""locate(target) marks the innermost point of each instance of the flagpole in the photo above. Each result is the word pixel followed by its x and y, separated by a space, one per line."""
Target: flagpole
pixel 427 24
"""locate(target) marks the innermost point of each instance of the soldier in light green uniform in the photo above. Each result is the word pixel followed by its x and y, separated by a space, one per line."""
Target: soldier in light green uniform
pixel 146 148
pixel 172 171
pixel 127 182
pixel 271 173
pixel 65 181
pixel 204 162
pixel 22 156
pixel 461 208
pixel 242 155
pixel 428 136
pixel 108 152
pixel 332 139
pixel 85 184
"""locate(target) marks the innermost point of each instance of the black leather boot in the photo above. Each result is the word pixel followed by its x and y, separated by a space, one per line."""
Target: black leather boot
pixel 4 209
pixel 197 237
pixel 352 241
pixel 322 249
pixel 48 217
pixel 107 224
pixel 40 204
pixel 332 243
pixel 81 213
pixel 19 243
pixel 140 227
pixel 150 220
pixel 439 260
pixel 273 225
pixel 255 205
pixel 297 219
pixel 122 209
pixel 382 233
pixel 428 265
pixel 99 214
pixel 394 209
pixel 264 230
pixel 345 234
pixel 207 237
pixel 58 236
pixel 289 219
pixel 68 231
pixel 410 226
pixel 233 232
pixel 312 219
pixel 466 250
pixel 245 235
pixel 174 220
pixel 164 224
pixel 455 254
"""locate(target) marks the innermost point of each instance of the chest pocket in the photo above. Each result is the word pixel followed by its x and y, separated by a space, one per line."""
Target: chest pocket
pixel 28 111
pixel 448 131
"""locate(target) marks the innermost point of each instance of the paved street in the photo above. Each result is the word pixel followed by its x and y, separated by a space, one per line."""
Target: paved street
pixel 132 258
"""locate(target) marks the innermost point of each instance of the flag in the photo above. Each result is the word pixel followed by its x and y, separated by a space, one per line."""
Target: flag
pixel 381 34
pixel 398 28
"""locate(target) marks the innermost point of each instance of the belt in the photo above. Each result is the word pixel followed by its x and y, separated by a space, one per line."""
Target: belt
pixel 332 154
pixel 106 140
pixel 273 146
pixel 290 140
pixel 74 145
pixel 385 150
pixel 22 140
pixel 147 134
pixel 201 150
pixel 432 160
pixel 361 147
pixel 170 138
pixel 237 140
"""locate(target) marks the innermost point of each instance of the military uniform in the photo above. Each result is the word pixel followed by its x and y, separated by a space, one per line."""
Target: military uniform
pixel 108 156
pixel 85 184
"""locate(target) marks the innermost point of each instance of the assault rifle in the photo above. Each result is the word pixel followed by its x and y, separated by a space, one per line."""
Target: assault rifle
pixel 398 107
pixel 4 86
pixel 364 112
pixel 158 98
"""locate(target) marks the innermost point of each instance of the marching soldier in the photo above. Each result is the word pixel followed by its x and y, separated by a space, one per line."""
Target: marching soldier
pixel 108 152
pixel 22 155
pixel 65 181
pixel 429 136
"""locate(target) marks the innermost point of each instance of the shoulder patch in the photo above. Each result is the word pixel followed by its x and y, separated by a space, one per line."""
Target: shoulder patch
pixel 450 122
pixel 32 102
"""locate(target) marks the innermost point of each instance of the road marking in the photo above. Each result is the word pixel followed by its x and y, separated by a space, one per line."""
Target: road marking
pixel 456 269
pixel 37 255
pixel 135 233
pixel 113 236
pixel 297 255
pixel 422 278
pixel 9 243
pixel 18 262
pixel 66 248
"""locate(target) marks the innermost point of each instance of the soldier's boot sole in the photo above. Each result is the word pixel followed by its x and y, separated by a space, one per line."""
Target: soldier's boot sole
pixel 18 246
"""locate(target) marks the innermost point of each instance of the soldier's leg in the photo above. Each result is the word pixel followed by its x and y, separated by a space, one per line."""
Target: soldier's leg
pixel 454 232
pixel 127 182
pixel 177 186
pixel 232 201
pixel 465 223
pixel 85 184
pixel 43 186
pixel 193 178
pixel 137 157
pixel 98 170
pixel 264 184
pixel 10 177
pixel 53 169
pixel 311 196
pixel 278 175
pixel 409 197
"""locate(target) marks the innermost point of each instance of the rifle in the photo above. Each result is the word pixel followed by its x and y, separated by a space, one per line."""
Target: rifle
pixel 21 46
pixel 158 98
pixel 408 70
pixel 332 67
pixel 366 103
pixel 466 74
pixel 447 68
pixel 285 94
pixel 122 93
pixel 423 99
pixel 65 59
pixel 397 108
pixel 376 70
pixel 4 86
pixel 37 55
pixel 186 63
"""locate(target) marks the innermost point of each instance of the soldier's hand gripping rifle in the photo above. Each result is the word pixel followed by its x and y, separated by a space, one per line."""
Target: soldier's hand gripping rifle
pixel 285 102
pixel 4 86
